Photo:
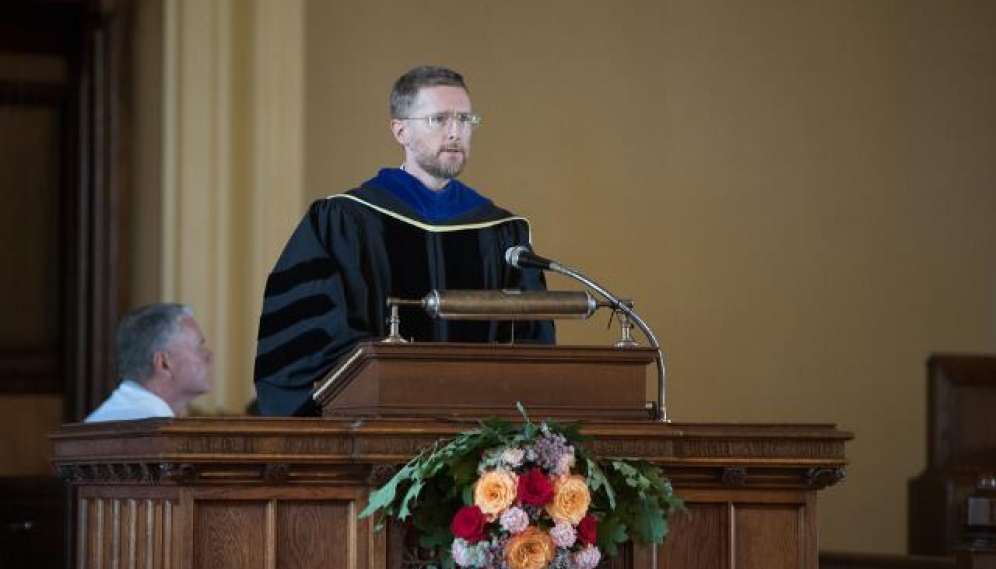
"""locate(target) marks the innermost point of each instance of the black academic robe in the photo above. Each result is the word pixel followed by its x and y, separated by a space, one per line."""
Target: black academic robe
pixel 352 251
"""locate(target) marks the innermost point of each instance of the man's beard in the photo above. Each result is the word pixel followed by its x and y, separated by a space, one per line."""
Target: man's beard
pixel 436 167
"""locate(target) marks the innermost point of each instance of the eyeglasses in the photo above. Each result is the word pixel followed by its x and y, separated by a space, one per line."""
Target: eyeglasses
pixel 441 120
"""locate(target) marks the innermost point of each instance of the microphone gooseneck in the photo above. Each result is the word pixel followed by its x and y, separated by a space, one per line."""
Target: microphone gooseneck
pixel 522 257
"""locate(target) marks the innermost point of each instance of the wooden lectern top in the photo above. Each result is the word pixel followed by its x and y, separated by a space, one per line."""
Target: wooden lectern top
pixel 482 380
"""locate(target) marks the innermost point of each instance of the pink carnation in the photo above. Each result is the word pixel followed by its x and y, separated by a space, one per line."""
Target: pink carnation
pixel 514 520
pixel 588 557
pixel 565 463
pixel 563 535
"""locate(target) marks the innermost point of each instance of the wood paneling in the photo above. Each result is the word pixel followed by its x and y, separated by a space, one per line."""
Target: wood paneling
pixel 316 534
pixel 961 445
pixel 132 529
pixel 705 537
pixel 769 537
pixel 230 534
pixel 270 493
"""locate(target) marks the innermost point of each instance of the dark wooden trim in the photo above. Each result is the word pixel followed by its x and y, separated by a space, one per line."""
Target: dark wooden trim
pixel 95 274
pixel 32 94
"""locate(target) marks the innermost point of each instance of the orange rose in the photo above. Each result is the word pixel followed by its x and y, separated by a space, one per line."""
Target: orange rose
pixel 531 549
pixel 570 499
pixel 494 492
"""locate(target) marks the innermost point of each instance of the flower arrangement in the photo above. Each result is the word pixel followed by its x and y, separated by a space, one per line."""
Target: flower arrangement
pixel 505 497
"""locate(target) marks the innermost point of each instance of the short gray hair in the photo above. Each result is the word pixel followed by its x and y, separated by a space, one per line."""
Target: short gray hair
pixel 407 86
pixel 142 333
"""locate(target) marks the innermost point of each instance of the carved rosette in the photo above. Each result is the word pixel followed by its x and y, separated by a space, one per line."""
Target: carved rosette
pixel 820 478
pixel 276 473
pixel 734 477
pixel 180 473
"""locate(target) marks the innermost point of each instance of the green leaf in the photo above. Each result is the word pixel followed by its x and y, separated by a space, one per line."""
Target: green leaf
pixel 413 491
pixel 381 498
pixel 611 531
pixel 522 411
pixel 650 524
pixel 597 480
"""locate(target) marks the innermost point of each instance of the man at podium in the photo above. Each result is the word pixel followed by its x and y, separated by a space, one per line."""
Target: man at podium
pixel 403 233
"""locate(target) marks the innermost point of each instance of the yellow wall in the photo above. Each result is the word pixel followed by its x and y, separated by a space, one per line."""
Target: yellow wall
pixel 798 194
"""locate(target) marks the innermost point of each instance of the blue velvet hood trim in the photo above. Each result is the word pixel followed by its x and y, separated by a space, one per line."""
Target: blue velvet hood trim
pixel 452 201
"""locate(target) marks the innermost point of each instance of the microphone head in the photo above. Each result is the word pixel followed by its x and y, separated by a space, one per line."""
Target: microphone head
pixel 513 253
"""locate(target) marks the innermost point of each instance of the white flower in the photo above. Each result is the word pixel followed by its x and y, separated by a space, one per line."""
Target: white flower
pixel 514 520
pixel 588 557
pixel 513 457
pixel 467 555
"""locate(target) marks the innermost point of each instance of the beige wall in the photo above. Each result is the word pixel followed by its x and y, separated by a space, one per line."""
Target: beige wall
pixel 798 194
pixel 218 118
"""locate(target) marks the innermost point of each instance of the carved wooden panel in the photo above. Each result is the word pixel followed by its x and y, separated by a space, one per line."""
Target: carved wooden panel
pixel 223 527
pixel 127 529
pixel 769 537
pixel 317 534
pixel 29 246
pixel 705 537
pixel 747 529
pixel 230 534
pixel 272 493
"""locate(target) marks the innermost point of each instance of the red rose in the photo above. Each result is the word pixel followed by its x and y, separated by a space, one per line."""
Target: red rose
pixel 588 530
pixel 535 488
pixel 469 523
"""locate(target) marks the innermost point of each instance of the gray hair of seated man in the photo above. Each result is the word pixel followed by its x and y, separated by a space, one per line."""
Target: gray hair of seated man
pixel 143 332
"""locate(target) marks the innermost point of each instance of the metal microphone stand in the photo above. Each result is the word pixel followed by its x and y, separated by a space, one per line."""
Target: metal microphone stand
pixel 624 307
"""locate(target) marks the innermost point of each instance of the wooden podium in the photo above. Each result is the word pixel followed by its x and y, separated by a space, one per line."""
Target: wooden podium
pixel 284 493
pixel 485 380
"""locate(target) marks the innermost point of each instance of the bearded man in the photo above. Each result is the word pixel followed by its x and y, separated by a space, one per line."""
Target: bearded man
pixel 405 232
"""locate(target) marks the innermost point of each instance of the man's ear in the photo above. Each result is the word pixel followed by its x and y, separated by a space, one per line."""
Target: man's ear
pixel 400 131
pixel 160 361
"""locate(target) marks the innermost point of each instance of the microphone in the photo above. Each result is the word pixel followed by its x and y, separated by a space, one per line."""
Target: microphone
pixel 521 257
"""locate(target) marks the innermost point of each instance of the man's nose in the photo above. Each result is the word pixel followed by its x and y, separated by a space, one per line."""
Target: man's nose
pixel 453 128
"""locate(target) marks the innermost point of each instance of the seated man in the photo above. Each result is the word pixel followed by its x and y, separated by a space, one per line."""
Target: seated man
pixel 405 232
pixel 163 364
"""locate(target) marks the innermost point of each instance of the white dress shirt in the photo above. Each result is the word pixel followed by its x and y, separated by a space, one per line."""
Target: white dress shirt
pixel 130 401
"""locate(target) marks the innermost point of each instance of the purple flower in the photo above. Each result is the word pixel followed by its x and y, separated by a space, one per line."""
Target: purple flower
pixel 563 535
pixel 549 451
pixel 565 463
